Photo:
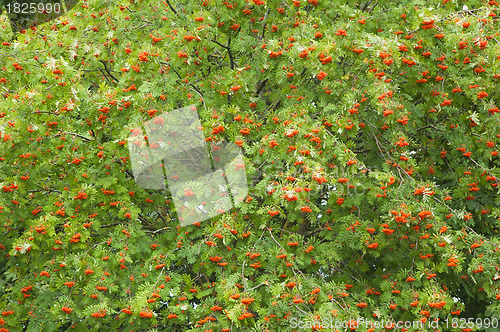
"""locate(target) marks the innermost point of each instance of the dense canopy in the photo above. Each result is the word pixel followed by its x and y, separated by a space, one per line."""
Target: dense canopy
pixel 369 136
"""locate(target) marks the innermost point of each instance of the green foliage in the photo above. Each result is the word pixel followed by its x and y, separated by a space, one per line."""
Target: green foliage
pixel 371 159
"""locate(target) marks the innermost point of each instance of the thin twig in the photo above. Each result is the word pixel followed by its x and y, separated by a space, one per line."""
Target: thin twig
pixel 78 135
pixel 158 230
pixel 170 5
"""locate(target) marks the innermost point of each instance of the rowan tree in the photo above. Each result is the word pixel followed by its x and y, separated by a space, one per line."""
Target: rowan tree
pixel 369 133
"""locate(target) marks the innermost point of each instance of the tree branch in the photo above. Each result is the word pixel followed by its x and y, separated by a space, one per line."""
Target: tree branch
pixel 231 58
pixel 79 136
pixel 107 70
pixel 260 86
pixel 170 5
